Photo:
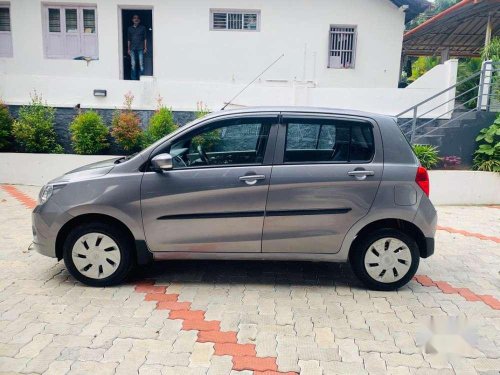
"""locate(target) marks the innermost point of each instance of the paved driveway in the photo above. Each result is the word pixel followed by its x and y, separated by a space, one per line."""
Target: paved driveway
pixel 252 317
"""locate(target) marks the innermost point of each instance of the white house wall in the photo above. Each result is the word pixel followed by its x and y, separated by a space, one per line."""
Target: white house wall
pixel 192 63
pixel 185 49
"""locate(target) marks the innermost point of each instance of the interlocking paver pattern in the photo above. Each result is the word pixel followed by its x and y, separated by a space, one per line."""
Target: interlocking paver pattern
pixel 187 317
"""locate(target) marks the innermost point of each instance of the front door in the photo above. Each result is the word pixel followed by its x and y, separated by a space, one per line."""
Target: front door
pixel 325 178
pixel 214 198
pixel 146 20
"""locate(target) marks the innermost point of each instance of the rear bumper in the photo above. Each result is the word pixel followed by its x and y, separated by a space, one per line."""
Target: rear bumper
pixel 429 248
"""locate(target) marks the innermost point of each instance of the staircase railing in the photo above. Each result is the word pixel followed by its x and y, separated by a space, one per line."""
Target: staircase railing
pixel 486 89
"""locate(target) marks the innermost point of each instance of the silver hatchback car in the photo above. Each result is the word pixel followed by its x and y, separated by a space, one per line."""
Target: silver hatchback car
pixel 281 183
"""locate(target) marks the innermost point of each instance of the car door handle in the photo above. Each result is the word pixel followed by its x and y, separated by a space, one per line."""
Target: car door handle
pixel 252 178
pixel 360 173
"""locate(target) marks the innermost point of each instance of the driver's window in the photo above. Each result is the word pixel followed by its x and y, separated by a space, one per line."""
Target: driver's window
pixel 228 142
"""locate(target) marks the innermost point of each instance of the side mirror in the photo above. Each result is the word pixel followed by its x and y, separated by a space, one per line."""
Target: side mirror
pixel 162 162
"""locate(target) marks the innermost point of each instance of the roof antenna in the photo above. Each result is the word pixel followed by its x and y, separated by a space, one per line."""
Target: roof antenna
pixel 255 79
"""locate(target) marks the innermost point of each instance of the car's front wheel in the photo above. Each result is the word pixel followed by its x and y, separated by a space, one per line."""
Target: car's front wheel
pixel 98 254
pixel 385 259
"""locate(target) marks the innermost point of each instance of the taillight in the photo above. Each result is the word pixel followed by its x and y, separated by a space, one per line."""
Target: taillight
pixel 422 180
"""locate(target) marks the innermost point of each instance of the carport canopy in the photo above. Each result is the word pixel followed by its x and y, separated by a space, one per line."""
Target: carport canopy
pixel 459 31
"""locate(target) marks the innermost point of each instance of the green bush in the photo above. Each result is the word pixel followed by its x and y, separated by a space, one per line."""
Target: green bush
pixel 88 133
pixel 492 50
pixel 468 91
pixel 34 129
pixel 160 124
pixel 126 126
pixel 487 155
pixel 427 155
pixel 5 127
pixel 421 66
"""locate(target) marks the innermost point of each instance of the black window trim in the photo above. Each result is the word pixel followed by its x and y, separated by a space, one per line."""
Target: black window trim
pixel 273 117
pixel 279 158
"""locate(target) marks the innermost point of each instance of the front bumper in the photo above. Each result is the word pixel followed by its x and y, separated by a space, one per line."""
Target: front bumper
pixel 47 220
pixel 43 240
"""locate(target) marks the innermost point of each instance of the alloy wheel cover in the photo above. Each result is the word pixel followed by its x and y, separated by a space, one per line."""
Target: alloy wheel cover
pixel 96 255
pixel 388 260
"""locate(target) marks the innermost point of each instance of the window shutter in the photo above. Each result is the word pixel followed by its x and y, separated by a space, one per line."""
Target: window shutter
pixel 4 19
pixel 54 20
pixel 89 36
pixel 70 32
pixel 5 33
pixel 220 20
pixel 54 38
pixel 235 20
pixel 342 47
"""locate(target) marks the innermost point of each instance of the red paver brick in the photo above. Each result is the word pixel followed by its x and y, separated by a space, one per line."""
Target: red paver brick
pixel 445 287
pixel 169 305
pixel 491 301
pixel 424 280
pixel 274 373
pixel 201 325
pixel 469 234
pixel 150 289
pixel 236 350
pixel 187 314
pixel 19 196
pixel 217 337
pixel 468 295
pixel 255 364
pixel 161 297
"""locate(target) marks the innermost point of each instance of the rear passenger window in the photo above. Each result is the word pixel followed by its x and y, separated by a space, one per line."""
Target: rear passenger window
pixel 328 141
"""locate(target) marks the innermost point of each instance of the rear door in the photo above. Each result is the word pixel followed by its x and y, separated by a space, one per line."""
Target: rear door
pixel 214 198
pixel 326 174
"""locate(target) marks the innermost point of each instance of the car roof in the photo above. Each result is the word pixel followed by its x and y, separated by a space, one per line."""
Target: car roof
pixel 297 109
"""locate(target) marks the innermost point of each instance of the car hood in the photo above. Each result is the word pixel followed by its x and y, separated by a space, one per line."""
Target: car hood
pixel 87 171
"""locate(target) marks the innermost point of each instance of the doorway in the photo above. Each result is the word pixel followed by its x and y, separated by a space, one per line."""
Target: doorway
pixel 146 16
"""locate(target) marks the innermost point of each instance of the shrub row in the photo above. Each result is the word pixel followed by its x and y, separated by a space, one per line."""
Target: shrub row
pixel 33 130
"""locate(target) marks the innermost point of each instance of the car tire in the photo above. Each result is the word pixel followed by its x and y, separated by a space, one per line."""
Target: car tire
pixel 385 259
pixel 98 254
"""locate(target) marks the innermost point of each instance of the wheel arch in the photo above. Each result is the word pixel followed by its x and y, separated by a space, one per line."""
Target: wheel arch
pixel 142 253
pixel 404 226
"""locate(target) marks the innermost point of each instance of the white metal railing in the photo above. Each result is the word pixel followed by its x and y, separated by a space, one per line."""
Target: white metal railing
pixel 484 92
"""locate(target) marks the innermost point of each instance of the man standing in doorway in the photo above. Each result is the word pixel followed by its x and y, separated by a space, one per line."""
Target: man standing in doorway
pixel 137 46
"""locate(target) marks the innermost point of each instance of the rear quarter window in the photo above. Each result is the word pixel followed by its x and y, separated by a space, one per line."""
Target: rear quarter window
pixel 328 141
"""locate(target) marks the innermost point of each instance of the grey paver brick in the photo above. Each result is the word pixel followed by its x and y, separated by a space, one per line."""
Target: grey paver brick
pixel 220 365
pixel 373 363
pixel 58 368
pixel 90 367
pixel 314 317
pixel 310 368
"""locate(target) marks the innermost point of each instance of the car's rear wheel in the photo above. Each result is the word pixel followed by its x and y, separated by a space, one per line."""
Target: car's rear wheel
pixel 98 254
pixel 385 259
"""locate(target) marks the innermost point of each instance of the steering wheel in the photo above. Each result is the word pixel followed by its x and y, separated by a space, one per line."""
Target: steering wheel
pixel 203 155
pixel 180 160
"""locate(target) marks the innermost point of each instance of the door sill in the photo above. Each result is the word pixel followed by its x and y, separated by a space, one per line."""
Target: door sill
pixel 171 255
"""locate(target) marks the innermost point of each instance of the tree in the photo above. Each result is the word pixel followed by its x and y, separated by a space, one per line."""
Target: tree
pixel 436 8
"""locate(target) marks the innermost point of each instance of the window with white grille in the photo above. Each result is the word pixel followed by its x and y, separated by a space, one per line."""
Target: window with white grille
pixel 70 31
pixel 5 32
pixel 235 20
pixel 342 51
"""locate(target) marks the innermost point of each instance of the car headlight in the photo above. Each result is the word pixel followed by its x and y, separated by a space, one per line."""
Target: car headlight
pixel 45 194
